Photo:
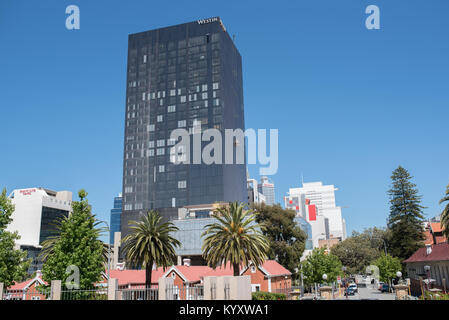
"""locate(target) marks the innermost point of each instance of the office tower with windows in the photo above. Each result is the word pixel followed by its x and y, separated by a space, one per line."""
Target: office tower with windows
pixel 182 76
pixel 35 216
pixel 267 189
pixel 322 197
pixel 116 213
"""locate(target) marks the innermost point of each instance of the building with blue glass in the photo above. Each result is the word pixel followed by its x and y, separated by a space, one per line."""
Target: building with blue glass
pixel 192 222
pixel 186 76
pixel 116 213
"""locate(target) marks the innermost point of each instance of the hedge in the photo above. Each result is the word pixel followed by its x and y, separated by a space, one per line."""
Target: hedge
pixel 268 296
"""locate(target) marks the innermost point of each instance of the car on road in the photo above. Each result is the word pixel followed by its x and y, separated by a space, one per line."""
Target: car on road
pixel 350 291
pixel 353 286
pixel 384 288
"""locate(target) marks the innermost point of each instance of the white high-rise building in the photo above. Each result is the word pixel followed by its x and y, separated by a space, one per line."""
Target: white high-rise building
pixel 254 196
pixel 267 189
pixel 323 197
pixel 35 212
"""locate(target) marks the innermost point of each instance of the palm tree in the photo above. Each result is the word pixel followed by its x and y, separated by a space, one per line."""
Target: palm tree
pixel 445 213
pixel 234 238
pixel 150 242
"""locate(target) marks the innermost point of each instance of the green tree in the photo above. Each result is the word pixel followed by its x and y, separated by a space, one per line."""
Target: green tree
pixel 13 263
pixel 320 262
pixel 388 267
pixel 236 237
pixel 355 253
pixel 77 245
pixel 150 243
pixel 358 251
pixel 287 240
pixel 445 213
pixel 406 215
pixel 48 245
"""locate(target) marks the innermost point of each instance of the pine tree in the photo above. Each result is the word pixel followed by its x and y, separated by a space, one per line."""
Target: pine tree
pixel 77 244
pixel 406 215
pixel 13 263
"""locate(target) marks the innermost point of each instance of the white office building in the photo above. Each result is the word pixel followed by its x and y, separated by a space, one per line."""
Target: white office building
pixel 266 188
pixel 254 196
pixel 35 211
pixel 322 197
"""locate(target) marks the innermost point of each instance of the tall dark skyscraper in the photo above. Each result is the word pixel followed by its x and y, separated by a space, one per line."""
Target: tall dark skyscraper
pixel 180 77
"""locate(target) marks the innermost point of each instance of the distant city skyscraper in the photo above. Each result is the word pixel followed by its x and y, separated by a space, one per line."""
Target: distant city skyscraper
pixel 116 213
pixel 182 76
pixel 254 196
pixel 267 189
pixel 322 197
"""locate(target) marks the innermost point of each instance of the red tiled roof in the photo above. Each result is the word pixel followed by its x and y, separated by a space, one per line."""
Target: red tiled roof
pixel 190 273
pixel 193 273
pixel 428 237
pixel 223 270
pixel 440 252
pixel 22 285
pixel 275 269
pixel 135 276
pixel 436 227
pixel 272 267
pixel 440 239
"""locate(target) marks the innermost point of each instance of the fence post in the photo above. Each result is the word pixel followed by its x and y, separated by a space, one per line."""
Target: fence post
pixel 220 287
pixel 163 284
pixel 210 283
pixel 55 290
pixel 112 289
pixel 240 288
pixel 1 290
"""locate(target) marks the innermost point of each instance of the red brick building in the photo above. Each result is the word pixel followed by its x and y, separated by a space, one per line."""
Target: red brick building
pixel 27 290
pixel 435 254
pixel 268 277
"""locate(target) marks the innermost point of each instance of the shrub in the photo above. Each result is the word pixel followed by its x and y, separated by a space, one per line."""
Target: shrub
pixel 434 296
pixel 268 296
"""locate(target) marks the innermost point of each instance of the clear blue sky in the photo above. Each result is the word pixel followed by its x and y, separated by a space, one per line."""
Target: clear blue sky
pixel 351 104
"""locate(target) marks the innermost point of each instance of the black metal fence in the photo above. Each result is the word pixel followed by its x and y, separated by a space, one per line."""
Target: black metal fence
pixel 96 293
pixel 138 293
pixel 184 293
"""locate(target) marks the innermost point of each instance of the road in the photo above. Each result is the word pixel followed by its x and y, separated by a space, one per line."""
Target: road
pixel 371 294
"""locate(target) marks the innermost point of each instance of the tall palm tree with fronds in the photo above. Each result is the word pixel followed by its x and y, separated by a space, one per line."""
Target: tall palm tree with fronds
pixel 234 238
pixel 445 213
pixel 150 243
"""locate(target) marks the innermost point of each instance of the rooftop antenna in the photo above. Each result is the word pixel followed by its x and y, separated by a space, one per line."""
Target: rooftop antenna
pixel 302 179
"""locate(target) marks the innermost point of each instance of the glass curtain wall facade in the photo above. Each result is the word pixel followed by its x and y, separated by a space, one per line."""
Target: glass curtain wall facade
pixel 179 77
pixel 116 214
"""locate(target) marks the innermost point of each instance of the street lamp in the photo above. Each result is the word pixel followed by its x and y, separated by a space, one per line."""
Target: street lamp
pixel 399 275
pixel 427 270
